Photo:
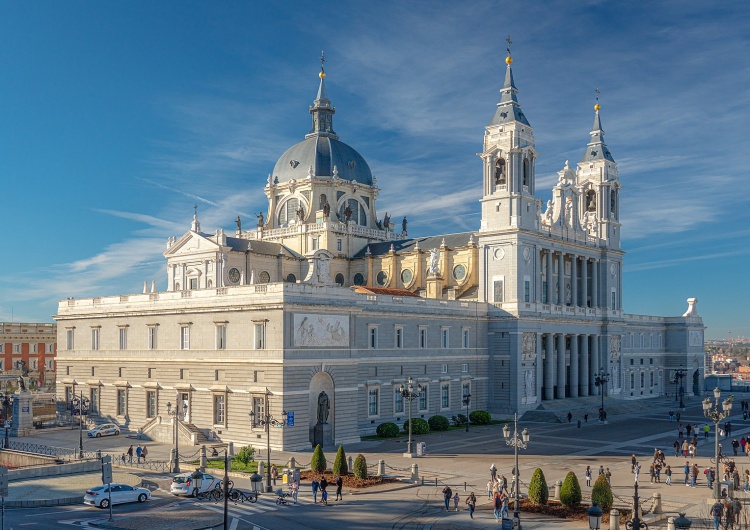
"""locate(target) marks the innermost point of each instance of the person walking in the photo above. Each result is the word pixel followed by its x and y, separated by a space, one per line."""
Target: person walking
pixel 339 485
pixel 447 495
pixel 680 430
pixel 504 510
pixel 668 473
pixel 490 485
pixel 295 490
pixel 706 430
pixel 685 447
pixel 570 416
pixel 138 452
pixel 686 468
pixel 735 446
pixel 717 510
pixel 651 472
pixel 471 502
pixel 601 470
pixel 274 473
pixel 497 505
pixel 588 476
pixel 315 487
pixel 144 452
pixel 130 454
pixel 636 471
pixel 493 472
pixel 676 446
pixel 323 490
pixel 608 476
pixel 456 500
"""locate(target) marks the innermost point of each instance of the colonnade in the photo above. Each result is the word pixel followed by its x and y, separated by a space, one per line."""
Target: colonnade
pixel 571 362
pixel 583 287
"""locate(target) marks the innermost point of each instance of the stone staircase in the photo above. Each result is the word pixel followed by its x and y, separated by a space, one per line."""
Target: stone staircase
pixel 556 411
pixel 196 434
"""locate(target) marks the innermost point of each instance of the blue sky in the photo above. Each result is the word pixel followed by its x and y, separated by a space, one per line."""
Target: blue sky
pixel 117 117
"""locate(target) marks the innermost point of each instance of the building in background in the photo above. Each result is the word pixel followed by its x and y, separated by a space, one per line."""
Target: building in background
pixel 32 343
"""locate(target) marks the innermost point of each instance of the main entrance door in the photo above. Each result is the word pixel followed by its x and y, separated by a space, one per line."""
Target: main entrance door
pixel 185 404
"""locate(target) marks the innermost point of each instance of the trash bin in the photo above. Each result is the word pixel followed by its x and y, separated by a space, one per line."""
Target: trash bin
pixel 421 448
pixel 256 482
pixel 285 477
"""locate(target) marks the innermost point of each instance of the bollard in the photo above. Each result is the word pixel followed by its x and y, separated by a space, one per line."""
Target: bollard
pixel 422 481
pixel 381 468
pixel 670 523
pixel 436 482
pixel 99 454
pixel 464 486
pixel 657 503
pixel 614 519
pixel 414 473
pixel 203 459
pixel 558 485
pixel 579 424
pixel 351 465
pixel 293 463
pixel 261 468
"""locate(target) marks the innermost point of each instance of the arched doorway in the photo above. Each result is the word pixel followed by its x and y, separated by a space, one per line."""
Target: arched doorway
pixel 696 383
pixel 321 409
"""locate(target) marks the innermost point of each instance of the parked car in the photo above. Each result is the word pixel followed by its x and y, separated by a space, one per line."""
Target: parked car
pixel 193 483
pixel 106 429
pixel 121 493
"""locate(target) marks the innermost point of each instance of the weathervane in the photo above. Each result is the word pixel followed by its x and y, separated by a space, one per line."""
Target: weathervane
pixel 509 43
pixel 597 94
pixel 322 59
pixel 195 207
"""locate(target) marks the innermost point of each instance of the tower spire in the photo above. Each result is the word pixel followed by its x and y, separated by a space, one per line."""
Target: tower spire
pixel 596 148
pixel 509 109
pixel 321 109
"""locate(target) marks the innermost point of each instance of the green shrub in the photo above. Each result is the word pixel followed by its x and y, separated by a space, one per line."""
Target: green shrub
pixel 438 423
pixel 388 430
pixel 570 493
pixel 340 467
pixel 459 420
pixel 418 426
pixel 602 494
pixel 318 463
pixel 480 417
pixel 538 491
pixel 246 455
pixel 360 467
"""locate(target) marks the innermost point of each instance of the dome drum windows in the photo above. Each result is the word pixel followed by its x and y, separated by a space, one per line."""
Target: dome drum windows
pixel 359 279
pixel 382 278
pixel 292 210
pixel 340 279
pixel 526 172
pixel 352 210
pixel 591 201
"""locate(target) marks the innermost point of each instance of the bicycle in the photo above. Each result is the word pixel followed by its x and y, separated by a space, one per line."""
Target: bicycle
pixel 242 497
pixel 215 495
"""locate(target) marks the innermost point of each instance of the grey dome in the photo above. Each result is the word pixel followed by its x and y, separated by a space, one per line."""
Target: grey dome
pixel 322 153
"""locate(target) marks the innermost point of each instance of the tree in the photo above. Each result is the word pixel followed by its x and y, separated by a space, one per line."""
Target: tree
pixel 438 423
pixel 318 463
pixel 570 493
pixel 360 467
pixel 245 455
pixel 538 490
pixel 340 467
pixel 602 493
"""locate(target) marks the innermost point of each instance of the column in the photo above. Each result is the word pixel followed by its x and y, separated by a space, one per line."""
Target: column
pixel 538 276
pixel 594 285
pixel 574 366
pixel 550 288
pixel 573 281
pixel 561 279
pixel 560 394
pixel 586 378
pixel 595 367
pixel 549 368
pixel 584 281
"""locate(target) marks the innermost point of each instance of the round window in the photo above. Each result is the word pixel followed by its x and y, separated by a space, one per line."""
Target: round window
pixel 291 278
pixel 264 277
pixel 234 275
pixel 406 276
pixel 459 272
pixel 340 279
pixel 359 279
pixel 382 278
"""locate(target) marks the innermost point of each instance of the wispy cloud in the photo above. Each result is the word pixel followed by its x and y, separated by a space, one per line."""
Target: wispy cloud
pixel 661 264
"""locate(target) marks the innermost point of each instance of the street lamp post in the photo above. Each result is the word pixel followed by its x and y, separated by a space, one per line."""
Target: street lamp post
pixel 80 403
pixel 410 394
pixel 228 456
pixel 601 381
pixel 266 421
pixel 6 408
pixel 517 442
pixel 466 400
pixel 678 375
pixel 176 434
pixel 635 523
pixel 712 412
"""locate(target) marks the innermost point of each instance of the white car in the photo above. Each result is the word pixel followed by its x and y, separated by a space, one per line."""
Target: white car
pixel 186 484
pixel 106 429
pixel 121 493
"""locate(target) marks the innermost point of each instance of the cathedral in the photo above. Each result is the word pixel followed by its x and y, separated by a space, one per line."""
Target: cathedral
pixel 322 297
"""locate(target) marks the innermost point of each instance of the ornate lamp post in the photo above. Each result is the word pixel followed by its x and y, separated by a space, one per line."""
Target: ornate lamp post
pixel 266 421
pixel 601 381
pixel 635 523
pixel 595 516
pixel 81 404
pixel 712 412
pixel 678 375
pixel 516 442
pixel 228 456
pixel 176 434
pixel 6 408
pixel 410 394
pixel 466 400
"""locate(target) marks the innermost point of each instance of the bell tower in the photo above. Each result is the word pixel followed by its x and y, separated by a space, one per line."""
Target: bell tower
pixel 509 157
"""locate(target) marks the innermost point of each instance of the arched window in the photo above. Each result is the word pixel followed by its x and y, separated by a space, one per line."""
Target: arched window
pixel 500 172
pixel 356 211
pixel 359 279
pixel 526 171
pixel 322 202
pixel 591 201
pixel 289 211
pixel 613 203
pixel 264 277
pixel 340 279
pixel 291 278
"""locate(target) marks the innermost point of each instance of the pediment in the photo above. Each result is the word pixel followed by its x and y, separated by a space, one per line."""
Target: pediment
pixel 190 243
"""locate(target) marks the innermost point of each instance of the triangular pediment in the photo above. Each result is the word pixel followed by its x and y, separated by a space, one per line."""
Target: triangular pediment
pixel 190 243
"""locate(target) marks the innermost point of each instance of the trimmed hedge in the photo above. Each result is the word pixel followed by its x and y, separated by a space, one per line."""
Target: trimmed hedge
pixel 318 462
pixel 418 426
pixel 388 430
pixel 360 467
pixel 570 493
pixel 340 467
pixel 538 491
pixel 459 420
pixel 480 417
pixel 602 494
pixel 438 423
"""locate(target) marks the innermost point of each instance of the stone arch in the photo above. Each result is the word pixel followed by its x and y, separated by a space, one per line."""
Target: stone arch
pixel 321 432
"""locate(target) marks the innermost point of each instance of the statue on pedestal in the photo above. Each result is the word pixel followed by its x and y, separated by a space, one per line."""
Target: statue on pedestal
pixel 323 407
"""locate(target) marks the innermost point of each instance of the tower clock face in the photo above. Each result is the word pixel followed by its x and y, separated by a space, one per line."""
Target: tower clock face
pixel 234 275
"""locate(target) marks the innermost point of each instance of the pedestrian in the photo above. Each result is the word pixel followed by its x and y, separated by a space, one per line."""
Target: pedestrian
pixel 324 497
pixel 636 471
pixel 728 428
pixel 122 458
pixel 490 484
pixel 274 473
pixel 471 502
pixel 497 505
pixel 295 490
pixel 456 500
pixel 633 461
pixel 570 416
pixel 677 415
pixel 315 487
pixel 493 472
pixel 324 490
pixel 504 510
pixel 680 430
pixel 130 454
pixel 586 417
pixel 144 452
pixel 735 446
pixel 608 476
pixel 716 512
pixel 686 468
pixel 685 448
pixel 747 480
pixel 651 472
pixel 668 473
pixel 601 470
pixel 339 485
pixel 706 430
pixel 688 429
pixel 447 495
pixel 588 476
pixel 503 483
pixel 138 452
pixel 671 415
pixel 676 446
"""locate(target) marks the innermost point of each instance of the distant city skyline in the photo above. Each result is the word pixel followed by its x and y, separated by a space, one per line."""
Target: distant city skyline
pixel 118 118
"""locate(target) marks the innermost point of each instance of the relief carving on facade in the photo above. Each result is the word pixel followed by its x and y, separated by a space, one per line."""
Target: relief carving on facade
pixel 614 346
pixel 695 337
pixel 529 385
pixel 529 345
pixel 321 330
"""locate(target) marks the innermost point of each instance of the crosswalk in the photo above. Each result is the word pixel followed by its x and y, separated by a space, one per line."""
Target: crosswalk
pixel 242 510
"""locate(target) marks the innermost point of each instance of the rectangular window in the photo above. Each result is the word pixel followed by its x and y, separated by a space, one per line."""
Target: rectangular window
pixel 643 377
pixel 185 337
pixel 95 339
pixel 259 408
pixel 373 337
pixel 614 300
pixel 632 380
pixel 444 338
pixel 422 338
pixel 527 290
pixel 219 416
pixel 465 368
pixel 94 400
pixel 338 245
pixel 49 365
pixel 373 402
pixel 123 338
pixel 465 339
pixel 122 402
pixel 314 243
pixel 16 348
pixel 182 373
pixel 221 337
pixel 68 394
pixel 69 336
pixel 399 337
pixel 50 348
pixel 632 340
pixel 465 390
pixel 444 369
pixel 33 349
pixel 398 402
pixel 149 372
pixel 498 291
pixel 152 337
pixel 423 398
pixel 544 292
pixel 150 403
pixel 445 392
pixel 193 283
pixel 260 336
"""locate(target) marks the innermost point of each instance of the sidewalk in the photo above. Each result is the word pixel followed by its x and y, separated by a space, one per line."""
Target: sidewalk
pixel 58 490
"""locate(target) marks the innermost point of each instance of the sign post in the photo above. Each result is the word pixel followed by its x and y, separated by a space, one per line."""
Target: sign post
pixel 107 479
pixel 290 419
pixel 3 491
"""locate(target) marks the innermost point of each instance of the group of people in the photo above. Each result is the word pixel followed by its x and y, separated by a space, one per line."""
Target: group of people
pixel 321 485
pixel 607 474
pixel 448 496
pixel 140 452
